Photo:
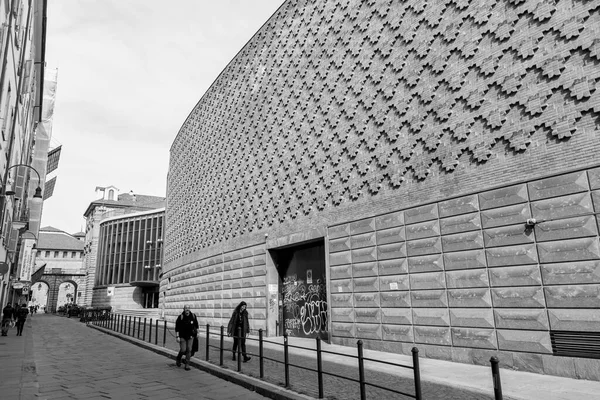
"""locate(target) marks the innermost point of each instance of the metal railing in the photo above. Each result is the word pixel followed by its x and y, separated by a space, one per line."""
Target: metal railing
pixel 156 331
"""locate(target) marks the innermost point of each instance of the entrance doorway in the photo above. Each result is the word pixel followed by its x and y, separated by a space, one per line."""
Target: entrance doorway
pixel 303 310
pixel 150 297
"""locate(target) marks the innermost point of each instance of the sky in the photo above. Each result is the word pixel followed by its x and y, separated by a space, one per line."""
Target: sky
pixel 129 73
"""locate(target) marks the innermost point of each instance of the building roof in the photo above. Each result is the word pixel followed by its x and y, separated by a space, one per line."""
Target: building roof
pixel 126 200
pixel 51 238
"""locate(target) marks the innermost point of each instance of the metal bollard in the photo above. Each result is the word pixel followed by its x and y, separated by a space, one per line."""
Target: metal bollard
pixel 319 367
pixel 260 354
pixel 156 334
pixel 286 359
pixel 150 332
pixel 361 371
pixel 221 345
pixel 496 378
pixel 165 335
pixel 129 327
pixel 144 335
pixel 417 373
pixel 207 341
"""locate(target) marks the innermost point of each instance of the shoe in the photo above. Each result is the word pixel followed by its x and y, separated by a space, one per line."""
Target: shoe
pixel 246 359
pixel 187 367
pixel 178 363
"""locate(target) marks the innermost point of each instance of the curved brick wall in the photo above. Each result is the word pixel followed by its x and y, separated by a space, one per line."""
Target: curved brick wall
pixel 416 137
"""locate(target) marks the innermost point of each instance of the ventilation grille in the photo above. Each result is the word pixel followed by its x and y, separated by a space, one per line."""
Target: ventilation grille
pixel 575 344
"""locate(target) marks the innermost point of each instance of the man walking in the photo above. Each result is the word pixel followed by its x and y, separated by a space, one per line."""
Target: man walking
pixel 186 329
pixel 21 318
pixel 7 317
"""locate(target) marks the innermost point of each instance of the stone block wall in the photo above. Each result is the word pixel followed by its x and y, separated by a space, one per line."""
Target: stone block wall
pixel 496 270
pixel 125 296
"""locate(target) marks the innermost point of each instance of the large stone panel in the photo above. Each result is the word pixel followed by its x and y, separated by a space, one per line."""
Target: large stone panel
pixel 424 246
pixel 516 297
pixel 586 320
pixel 366 300
pixel 432 335
pixel 342 314
pixel 425 263
pixel 428 298
pixel 507 235
pixel 503 197
pixel 573 296
pixel 395 299
pixel 472 317
pixel 522 275
pixel 389 220
pixel 343 329
pixel 462 241
pixel 393 282
pixel 512 255
pixel 419 214
pixel 402 316
pixel 569 250
pixel 367 315
pixel 529 341
pixel 364 255
pixel 368 331
pixel 422 230
pixel 341 300
pixel 461 205
pixel 431 316
pixel 341 258
pixel 391 251
pixel 571 273
pixel 341 286
pixel 510 215
pixel 465 260
pixel 519 318
pixel 370 284
pixel 392 235
pixel 340 272
pixel 393 266
pixel 467 279
pixel 568 228
pixel 338 231
pixel 463 298
pixel 364 269
pixel 562 207
pixel 362 226
pixel 594 178
pixel 363 240
pixel 558 185
pixel 460 223
pixel 429 280
pixel 472 337
pixel 398 333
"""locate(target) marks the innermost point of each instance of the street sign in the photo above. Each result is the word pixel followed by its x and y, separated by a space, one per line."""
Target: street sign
pixel 18 285
pixel 3 268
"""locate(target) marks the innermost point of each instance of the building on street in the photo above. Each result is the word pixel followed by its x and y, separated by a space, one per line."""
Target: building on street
pixel 404 173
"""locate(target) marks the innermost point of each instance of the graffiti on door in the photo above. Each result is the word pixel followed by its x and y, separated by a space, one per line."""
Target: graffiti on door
pixel 305 306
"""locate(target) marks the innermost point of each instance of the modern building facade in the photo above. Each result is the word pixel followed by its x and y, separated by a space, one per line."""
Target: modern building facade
pixel 27 91
pixel 123 249
pixel 405 173
pixel 60 254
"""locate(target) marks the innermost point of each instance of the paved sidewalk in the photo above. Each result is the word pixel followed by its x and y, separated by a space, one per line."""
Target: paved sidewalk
pixel 62 358
pixel 440 379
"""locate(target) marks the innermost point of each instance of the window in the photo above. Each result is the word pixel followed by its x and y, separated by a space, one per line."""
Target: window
pixel 65 254
pixel 73 254
pixel 47 254
pixel 56 254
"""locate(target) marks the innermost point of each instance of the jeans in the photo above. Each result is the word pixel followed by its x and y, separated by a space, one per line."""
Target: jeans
pixel 5 326
pixel 239 342
pixel 20 323
pixel 185 347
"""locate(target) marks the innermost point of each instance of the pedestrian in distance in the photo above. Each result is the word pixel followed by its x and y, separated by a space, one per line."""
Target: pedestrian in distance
pixel 7 318
pixel 186 329
pixel 21 318
pixel 239 328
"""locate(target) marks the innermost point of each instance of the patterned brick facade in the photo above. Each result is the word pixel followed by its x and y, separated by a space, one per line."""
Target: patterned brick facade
pixel 417 138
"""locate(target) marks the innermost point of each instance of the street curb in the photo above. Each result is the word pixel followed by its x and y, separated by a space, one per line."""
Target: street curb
pixel 256 385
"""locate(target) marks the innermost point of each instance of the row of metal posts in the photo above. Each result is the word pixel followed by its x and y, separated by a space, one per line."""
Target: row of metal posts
pixel 122 324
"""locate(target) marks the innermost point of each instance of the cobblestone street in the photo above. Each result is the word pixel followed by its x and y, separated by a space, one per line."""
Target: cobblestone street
pixel 65 359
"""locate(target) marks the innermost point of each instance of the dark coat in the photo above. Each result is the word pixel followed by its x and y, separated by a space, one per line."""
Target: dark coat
pixel 185 325
pixel 8 312
pixel 238 319
pixel 22 313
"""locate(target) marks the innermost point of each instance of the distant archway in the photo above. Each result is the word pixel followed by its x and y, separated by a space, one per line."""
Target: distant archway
pixel 66 293
pixel 39 295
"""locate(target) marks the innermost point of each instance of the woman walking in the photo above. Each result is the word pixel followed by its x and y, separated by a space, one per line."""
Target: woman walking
pixel 239 328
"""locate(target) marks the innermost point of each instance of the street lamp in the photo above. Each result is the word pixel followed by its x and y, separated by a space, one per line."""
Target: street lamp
pixel 4 192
